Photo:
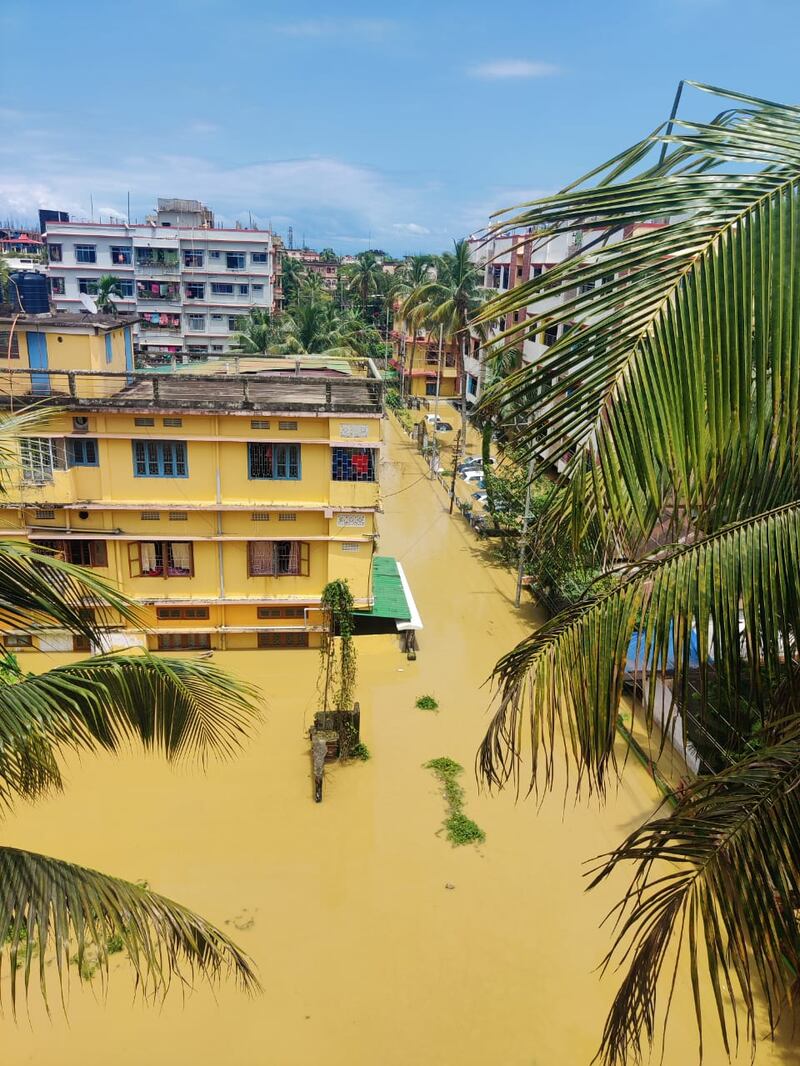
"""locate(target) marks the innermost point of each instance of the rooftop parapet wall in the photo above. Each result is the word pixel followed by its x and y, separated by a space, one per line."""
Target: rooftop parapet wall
pixel 229 393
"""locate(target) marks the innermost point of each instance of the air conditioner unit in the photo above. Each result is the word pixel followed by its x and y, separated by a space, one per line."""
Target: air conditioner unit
pixel 80 424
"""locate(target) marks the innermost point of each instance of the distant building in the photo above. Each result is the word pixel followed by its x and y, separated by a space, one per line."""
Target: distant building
pixel 189 281
pixel 327 269
pixel 511 260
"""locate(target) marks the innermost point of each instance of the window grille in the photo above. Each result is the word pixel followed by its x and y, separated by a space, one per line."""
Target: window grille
pixel 283 640
pixel 79 552
pixel 44 516
pixel 82 452
pixel 281 612
pixel 280 558
pixel 40 457
pixel 184 641
pixel 287 516
pixel 178 516
pixel 4 336
pixel 351 546
pixel 287 425
pixel 259 423
pixel 173 421
pixel 259 516
pixel 353 464
pixel 273 461
pixel 150 516
pixel 144 421
pixel 181 612
pixel 157 558
pixel 159 458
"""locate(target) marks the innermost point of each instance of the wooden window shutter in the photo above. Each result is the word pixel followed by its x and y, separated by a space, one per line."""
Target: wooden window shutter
pixel 134 559
pixel 99 553
pixel 304 559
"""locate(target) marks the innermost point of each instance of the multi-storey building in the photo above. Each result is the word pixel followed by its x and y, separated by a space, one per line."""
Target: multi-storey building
pixel 189 282
pixel 421 370
pixel 221 502
pixel 511 260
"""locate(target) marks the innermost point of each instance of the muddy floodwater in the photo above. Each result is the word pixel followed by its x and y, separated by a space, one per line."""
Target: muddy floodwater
pixel 375 940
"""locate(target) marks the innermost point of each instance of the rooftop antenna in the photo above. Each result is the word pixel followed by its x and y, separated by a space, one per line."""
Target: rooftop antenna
pixel 290 238
pixel 88 303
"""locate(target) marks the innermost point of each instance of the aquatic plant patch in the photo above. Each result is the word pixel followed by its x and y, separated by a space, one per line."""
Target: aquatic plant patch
pixel 460 829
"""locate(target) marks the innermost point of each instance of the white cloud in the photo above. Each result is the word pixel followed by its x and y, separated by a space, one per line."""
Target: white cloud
pixel 413 228
pixel 513 68
pixel 203 127
pixel 111 212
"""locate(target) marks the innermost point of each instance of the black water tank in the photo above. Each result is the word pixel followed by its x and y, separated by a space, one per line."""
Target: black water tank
pixel 27 291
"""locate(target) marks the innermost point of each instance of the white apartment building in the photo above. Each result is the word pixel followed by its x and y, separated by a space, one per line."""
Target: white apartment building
pixel 188 280
pixel 510 260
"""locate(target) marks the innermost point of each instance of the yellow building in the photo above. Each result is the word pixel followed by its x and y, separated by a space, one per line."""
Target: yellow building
pixel 221 501
pixel 417 362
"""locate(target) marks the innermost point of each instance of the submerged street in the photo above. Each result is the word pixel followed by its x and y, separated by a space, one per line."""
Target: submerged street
pixel 375 940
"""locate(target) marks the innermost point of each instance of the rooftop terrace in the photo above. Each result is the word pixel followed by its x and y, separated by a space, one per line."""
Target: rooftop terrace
pixel 268 391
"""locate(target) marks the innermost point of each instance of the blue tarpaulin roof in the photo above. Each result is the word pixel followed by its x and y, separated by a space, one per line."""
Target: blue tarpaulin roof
pixel 638 646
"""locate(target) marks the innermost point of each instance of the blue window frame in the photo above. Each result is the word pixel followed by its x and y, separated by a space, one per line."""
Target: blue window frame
pixel 160 458
pixel 273 462
pixel 81 452
pixel 109 350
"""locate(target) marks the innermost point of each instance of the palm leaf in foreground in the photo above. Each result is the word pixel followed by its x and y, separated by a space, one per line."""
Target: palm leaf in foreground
pixel 695 604
pixel 677 406
pixel 55 910
pixel 38 590
pixel 719 878
pixel 177 707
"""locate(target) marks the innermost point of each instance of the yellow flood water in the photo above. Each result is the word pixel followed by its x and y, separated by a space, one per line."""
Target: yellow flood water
pixel 365 956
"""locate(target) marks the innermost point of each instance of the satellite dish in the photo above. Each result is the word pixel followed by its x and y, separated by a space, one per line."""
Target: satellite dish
pixel 88 303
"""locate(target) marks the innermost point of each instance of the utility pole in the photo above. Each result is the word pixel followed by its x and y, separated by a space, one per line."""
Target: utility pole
pixel 524 535
pixel 435 449
pixel 456 454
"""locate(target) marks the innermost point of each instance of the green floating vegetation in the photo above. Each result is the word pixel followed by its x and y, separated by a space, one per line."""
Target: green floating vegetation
pixel 427 703
pixel 460 829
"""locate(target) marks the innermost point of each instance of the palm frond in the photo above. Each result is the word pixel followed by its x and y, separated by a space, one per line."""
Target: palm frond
pixel 718 878
pixel 55 910
pixel 672 404
pixel 39 590
pixel 731 600
pixel 180 708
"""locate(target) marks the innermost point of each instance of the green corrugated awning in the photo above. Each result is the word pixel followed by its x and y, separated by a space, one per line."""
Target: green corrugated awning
pixel 387 591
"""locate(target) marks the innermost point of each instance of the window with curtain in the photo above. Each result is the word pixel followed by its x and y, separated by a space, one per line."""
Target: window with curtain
pixel 273 461
pixel 161 558
pixel 277 558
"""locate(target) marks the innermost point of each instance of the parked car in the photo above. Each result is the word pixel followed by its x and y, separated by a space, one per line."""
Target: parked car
pixel 473 475
pixel 443 427
pixel 480 497
pixel 474 462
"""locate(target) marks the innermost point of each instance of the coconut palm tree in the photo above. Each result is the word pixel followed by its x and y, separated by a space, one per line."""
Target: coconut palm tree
pixel 677 401
pixel 259 332
pixel 415 271
pixel 292 274
pixel 364 278
pixel 452 299
pixel 53 910
pixel 107 286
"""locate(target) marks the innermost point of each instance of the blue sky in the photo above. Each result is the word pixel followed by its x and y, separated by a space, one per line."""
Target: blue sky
pixel 400 126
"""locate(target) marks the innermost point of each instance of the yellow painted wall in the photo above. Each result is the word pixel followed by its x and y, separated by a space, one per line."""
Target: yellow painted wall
pixel 348 555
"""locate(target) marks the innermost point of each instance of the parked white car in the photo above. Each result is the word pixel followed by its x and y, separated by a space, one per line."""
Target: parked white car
pixel 473 475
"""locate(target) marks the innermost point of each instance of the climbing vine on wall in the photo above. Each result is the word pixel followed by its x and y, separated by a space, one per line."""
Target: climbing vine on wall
pixel 337 664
